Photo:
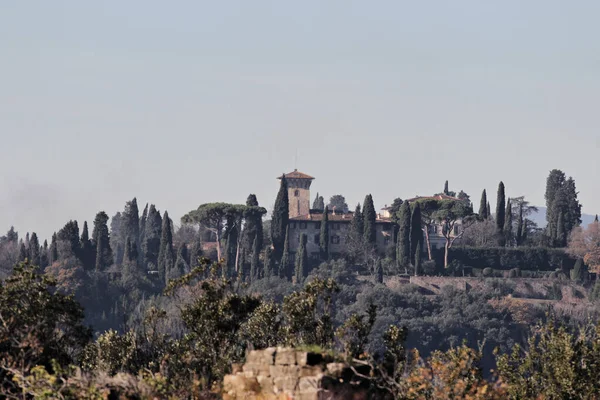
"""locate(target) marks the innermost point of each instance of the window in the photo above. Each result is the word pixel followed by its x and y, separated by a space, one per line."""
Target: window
pixel 317 225
pixel 433 229
pixel 292 225
pixel 335 227
pixel 317 239
pixel 335 239
pixel 302 225
pixel 296 193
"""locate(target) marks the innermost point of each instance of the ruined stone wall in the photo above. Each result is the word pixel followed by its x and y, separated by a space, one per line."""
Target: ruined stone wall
pixel 285 373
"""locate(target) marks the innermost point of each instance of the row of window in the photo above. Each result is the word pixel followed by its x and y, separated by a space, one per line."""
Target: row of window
pixel 335 239
pixel 315 225
pixel 438 229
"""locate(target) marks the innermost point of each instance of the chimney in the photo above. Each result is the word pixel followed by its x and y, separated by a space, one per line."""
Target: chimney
pixel 333 210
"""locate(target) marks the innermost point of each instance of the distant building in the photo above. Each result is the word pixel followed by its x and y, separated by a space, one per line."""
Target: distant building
pixel 305 220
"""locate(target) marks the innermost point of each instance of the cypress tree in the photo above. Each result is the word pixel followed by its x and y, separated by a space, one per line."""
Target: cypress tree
pixel 117 238
pixel 483 211
pixel 446 188
pixel 378 272
pixel 101 241
pixel 319 203
pixel 358 225
pixel 369 218
pixel 561 234
pixel 195 253
pixel 596 219
pixel 268 263
pixel 554 183
pixel 254 262
pixel 253 227
pixel 519 238
pixel 416 232
pixel 231 234
pixel 130 255
pixel 27 241
pixel 131 223
pixel 577 273
pixel 44 261
pixel 285 261
pixel 500 215
pixel 572 212
pixel 53 256
pixel 34 250
pixel 181 264
pixel 280 218
pixel 22 252
pixel 403 237
pixel 508 232
pixel 152 235
pixel 88 256
pixel 166 254
pixel 489 211
pixel 418 258
pixel 69 238
pixel 142 230
pixel 324 236
pixel 301 260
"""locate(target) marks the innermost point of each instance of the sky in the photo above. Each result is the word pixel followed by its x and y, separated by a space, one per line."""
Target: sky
pixel 187 102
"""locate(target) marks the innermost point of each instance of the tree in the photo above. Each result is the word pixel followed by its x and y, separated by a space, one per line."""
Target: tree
pixel 301 267
pixel 182 266
pixel 166 255
pixel 23 255
pixel 53 256
pixel 34 250
pixel 418 259
pixel 253 227
pixel 446 191
pixel 358 226
pixel 101 241
pixel 255 272
pixel 448 215
pixel 195 252
pixel 378 272
pixel 268 266
pixel 142 230
pixel 554 184
pixel 578 272
pixel 88 254
pixel 280 218
pixel 508 225
pixel 464 197
pixel 131 223
pixel 416 232
pixel 130 256
pixel 318 203
pixel 483 212
pixel 285 261
pixel 324 236
pixel 68 241
pixel 560 239
pixel 369 218
pixel 337 203
pixel 489 210
pixel 403 237
pixel 152 235
pixel 117 241
pixel 44 261
pixel 211 216
pixel 500 215
pixel 584 243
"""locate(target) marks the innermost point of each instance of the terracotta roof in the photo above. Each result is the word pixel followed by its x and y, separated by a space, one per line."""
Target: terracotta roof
pixel 296 175
pixel 434 197
pixel 317 216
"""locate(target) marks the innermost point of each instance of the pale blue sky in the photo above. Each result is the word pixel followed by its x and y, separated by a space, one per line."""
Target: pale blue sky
pixel 181 103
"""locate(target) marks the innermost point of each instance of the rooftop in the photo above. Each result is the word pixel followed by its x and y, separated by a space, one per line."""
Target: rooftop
pixel 434 197
pixel 317 215
pixel 296 175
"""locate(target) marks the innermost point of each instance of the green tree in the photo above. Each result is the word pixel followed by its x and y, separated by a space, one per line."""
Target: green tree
pixel 369 218
pixel 131 223
pixel 416 232
pixel 489 210
pixel 318 203
pixel 324 235
pixel 130 256
pixel 34 250
pixel 448 215
pixel 182 266
pixel 53 253
pixel 44 256
pixel 195 252
pixel 354 332
pixel 403 237
pixel 23 255
pixel 338 204
pixel 280 218
pixel 301 266
pixel 561 234
pixel 212 216
pixel 418 258
pixel 268 265
pixel 378 272
pixel 68 241
pixel 508 225
pixel 358 225
pixel 483 211
pixel 500 215
pixel 579 271
pixel 142 236
pixel 101 241
pixel 166 255
pixel 446 191
pixel 253 227
pixel 152 235
pixel 284 265
pixel 88 254
pixel 255 272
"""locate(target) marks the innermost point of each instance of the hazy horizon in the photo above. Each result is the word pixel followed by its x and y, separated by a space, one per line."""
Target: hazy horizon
pixel 194 102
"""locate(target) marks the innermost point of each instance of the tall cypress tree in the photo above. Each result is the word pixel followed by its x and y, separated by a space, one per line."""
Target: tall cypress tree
pixel 378 272
pixel 280 218
pixel 403 237
pixel 195 252
pixel 519 236
pixel 369 218
pixel 142 230
pixel 131 223
pixel 324 236
pixel 446 188
pixel 284 265
pixel 166 254
pixel 596 219
pixel 268 263
pixel 489 211
pixel 34 249
pixel 554 184
pixel 253 227
pixel 301 269
pixel 101 241
pixel 483 211
pixel 561 233
pixel 416 232
pixel 68 237
pixel 500 215
pixel 508 231
pixel 358 225
pixel 88 255
pixel 255 272
pixel 181 263
pixel 22 252
pixel 418 257
pixel 44 256
pixel 53 253
pixel 152 235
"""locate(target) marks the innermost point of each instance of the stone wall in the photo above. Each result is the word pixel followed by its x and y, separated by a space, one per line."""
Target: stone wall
pixel 286 373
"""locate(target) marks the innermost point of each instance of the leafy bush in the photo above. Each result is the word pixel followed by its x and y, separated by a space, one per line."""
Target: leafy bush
pixel 488 272
pixel 503 258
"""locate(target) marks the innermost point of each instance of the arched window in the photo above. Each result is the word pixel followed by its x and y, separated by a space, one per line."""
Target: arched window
pixel 296 193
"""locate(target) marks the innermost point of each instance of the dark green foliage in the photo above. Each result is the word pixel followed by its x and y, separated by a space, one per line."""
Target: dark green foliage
pixel 579 271
pixel 500 215
pixel 595 292
pixel 318 203
pixel 403 237
pixel 378 272
pixel 34 250
pixel 369 218
pixel 88 254
pixel 508 225
pixel 354 333
pixel 231 238
pixel 182 266
pixel 358 226
pixel 489 210
pixel 130 256
pixel 446 191
pixel 268 264
pixel 504 258
pixel 280 218
pixel 53 251
pixel 101 241
pixel 416 232
pixel 255 272
pixel 23 255
pixel 195 252
pixel 68 240
pixel 301 265
pixel 324 236
pixel 284 265
pixel 152 235
pixel 418 258
pixel 483 211
pixel 596 219
pixel 117 241
pixel 338 204
pixel 562 207
pixel 142 230
pixel 130 224
pixel 253 227
pixel 44 256
pixel 166 254
pixel 560 238
pixel 521 226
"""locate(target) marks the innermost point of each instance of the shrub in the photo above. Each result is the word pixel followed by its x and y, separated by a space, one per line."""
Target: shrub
pixel 502 258
pixel 514 273
pixel 488 272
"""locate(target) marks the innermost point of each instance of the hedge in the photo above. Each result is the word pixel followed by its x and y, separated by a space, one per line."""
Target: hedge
pixel 503 258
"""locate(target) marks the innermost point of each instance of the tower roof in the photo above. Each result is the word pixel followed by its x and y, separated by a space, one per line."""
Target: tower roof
pixel 296 175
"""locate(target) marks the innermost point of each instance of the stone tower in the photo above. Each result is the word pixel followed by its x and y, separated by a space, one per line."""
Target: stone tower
pixel 298 193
